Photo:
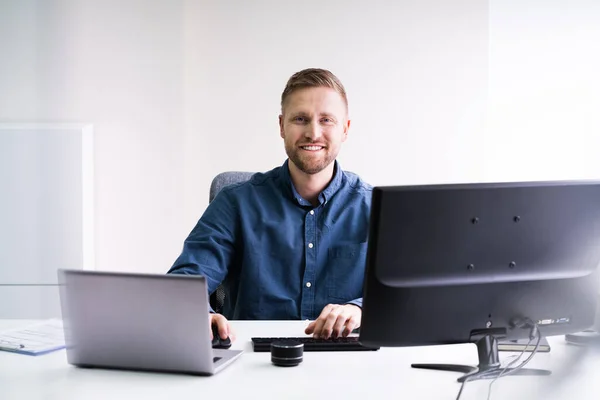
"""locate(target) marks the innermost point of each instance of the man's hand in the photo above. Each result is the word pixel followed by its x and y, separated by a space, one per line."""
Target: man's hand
pixel 223 326
pixel 335 320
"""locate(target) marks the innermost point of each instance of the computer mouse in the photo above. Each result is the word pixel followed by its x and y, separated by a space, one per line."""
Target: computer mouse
pixel 217 342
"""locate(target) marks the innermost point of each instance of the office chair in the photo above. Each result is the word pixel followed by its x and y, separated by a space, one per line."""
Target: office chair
pixel 217 298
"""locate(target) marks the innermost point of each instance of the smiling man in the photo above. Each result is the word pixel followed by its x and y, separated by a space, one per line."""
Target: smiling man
pixel 291 243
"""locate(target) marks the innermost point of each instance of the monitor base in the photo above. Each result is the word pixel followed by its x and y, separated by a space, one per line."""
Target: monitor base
pixel 588 337
pixel 474 373
pixel 489 364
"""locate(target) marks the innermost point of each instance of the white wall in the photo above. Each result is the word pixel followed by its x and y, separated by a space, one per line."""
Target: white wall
pixel 439 91
pixel 544 98
pixel 178 91
pixel 119 66
pixel 415 73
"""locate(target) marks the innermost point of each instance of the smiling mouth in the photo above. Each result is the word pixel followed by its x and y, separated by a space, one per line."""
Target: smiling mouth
pixel 312 148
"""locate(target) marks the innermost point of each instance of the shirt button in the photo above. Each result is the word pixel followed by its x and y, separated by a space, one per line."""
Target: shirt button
pixel 310 245
pixel 308 284
pixel 312 212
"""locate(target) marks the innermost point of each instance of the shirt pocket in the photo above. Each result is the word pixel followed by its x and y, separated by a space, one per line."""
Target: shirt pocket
pixel 346 271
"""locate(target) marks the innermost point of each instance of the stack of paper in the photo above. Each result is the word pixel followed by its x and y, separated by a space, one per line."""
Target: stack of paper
pixel 36 339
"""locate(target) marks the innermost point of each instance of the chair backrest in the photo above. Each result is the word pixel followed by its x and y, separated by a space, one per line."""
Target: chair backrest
pixel 225 179
pixel 217 298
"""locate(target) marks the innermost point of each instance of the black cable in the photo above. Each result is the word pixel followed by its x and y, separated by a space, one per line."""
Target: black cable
pixel 534 332
pixel 485 374
pixel 462 386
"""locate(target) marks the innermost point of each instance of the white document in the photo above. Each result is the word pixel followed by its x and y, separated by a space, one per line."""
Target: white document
pixel 34 339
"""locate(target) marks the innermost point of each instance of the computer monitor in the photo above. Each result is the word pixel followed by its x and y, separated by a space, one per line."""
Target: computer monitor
pixel 462 263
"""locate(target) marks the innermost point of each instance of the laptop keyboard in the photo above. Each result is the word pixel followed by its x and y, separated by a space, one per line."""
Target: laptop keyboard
pixel 351 343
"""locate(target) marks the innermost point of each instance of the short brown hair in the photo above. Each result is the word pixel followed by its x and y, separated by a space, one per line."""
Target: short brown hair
pixel 313 77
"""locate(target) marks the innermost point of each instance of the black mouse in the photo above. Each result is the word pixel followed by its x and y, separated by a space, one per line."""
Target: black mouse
pixel 217 342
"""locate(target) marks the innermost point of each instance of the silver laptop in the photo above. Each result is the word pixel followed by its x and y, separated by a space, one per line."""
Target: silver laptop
pixel 139 321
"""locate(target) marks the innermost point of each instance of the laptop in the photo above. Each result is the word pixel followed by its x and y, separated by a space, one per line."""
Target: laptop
pixel 139 321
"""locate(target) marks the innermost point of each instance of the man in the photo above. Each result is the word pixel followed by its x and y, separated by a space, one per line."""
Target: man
pixel 291 243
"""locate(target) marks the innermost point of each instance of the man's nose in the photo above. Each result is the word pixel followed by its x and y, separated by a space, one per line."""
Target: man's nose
pixel 313 131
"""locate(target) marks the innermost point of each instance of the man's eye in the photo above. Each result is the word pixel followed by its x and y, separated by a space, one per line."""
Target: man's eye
pixel 299 119
pixel 327 120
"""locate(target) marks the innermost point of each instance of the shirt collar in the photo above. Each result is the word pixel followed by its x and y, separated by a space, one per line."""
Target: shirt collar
pixel 325 195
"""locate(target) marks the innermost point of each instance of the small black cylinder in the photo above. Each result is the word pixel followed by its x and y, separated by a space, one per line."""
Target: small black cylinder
pixel 286 353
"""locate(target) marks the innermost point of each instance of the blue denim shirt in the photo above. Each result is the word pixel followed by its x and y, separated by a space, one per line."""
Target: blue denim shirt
pixel 278 256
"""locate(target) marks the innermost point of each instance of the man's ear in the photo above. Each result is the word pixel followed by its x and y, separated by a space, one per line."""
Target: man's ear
pixel 346 129
pixel 281 126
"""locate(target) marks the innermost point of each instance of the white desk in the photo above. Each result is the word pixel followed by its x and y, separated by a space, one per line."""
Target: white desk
pixel 332 375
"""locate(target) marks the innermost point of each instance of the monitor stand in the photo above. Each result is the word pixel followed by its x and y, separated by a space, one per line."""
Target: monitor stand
pixel 489 362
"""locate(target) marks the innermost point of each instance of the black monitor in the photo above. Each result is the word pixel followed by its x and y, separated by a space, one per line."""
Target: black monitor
pixel 480 263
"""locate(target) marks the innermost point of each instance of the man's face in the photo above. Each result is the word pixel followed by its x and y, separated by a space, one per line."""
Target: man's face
pixel 313 126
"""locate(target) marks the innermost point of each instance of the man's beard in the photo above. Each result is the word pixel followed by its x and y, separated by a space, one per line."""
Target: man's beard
pixel 310 164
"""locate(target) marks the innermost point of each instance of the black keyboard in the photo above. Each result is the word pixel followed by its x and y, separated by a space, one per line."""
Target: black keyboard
pixel 311 344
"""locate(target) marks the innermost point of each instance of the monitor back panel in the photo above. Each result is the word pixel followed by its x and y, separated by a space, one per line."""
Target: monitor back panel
pixel 448 257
